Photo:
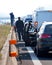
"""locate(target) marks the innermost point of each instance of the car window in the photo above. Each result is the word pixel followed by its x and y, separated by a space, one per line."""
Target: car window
pixel 48 29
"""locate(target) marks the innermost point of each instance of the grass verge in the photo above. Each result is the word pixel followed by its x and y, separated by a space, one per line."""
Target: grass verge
pixel 4 31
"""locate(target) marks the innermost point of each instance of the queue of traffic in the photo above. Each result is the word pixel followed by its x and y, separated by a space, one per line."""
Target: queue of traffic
pixel 38 34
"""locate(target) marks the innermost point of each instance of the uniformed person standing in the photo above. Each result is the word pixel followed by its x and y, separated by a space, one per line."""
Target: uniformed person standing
pixel 19 26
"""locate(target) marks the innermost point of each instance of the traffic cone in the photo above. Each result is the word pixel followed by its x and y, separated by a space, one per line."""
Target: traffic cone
pixel 12 41
pixel 12 49
pixel 13 52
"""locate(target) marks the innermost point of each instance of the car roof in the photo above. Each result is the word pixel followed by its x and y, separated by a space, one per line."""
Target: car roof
pixel 46 23
pixel 43 27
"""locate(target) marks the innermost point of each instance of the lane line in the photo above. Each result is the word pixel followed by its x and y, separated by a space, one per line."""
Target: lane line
pixel 21 42
pixel 34 58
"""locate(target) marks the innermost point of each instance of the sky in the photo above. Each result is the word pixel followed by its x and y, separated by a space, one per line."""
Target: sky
pixel 22 7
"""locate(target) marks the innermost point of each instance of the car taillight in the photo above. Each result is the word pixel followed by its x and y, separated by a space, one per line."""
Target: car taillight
pixel 45 36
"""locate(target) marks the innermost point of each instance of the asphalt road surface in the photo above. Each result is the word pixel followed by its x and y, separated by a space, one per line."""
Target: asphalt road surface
pixel 28 57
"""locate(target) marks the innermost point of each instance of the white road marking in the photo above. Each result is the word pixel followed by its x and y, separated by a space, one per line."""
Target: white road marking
pixel 34 58
pixel 21 42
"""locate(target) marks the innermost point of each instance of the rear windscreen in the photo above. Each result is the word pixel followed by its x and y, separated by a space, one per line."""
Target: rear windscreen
pixel 48 29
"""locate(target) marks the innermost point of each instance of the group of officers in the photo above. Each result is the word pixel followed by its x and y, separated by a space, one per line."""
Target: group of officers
pixel 19 27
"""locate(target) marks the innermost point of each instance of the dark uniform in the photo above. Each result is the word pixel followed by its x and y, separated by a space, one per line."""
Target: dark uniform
pixel 19 27
pixel 30 38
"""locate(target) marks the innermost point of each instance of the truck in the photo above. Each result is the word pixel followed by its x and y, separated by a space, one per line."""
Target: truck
pixel 41 16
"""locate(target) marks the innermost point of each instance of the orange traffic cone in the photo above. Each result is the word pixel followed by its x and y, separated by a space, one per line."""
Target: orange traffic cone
pixel 12 41
pixel 13 54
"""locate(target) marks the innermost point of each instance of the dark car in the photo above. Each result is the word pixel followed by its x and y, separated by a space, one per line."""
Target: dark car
pixel 44 39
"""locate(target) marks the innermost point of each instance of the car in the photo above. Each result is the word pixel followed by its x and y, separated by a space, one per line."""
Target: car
pixel 44 39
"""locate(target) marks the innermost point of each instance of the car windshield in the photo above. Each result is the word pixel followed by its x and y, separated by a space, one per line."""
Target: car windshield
pixel 48 29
